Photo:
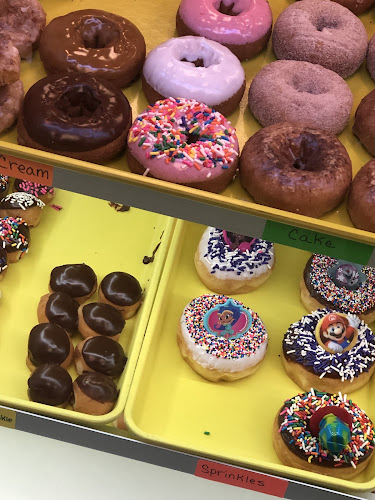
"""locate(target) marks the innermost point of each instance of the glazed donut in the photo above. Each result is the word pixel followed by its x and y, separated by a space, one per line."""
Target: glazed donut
pixel 77 280
pixel 339 285
pixel 194 68
pixel 329 351
pixel 300 92
pixel 11 98
pixel 4 185
pixel 94 393
pixel 75 115
pixel 100 354
pixel 49 343
pixel 321 32
pixel 185 142
pixel 220 338
pixel 44 193
pixel 96 42
pixel 3 263
pixel 243 26
pixel 14 237
pixel 100 319
pixel 122 291
pixel 50 384
pixel 371 57
pixel 230 263
pixel 10 61
pixel 306 437
pixel 60 309
pixel 364 122
pixel 356 6
pixel 308 171
pixel 361 198
pixel 24 205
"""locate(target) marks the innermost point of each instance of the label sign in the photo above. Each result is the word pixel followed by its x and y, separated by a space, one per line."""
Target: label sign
pixel 315 242
pixel 8 418
pixel 26 169
pixel 240 477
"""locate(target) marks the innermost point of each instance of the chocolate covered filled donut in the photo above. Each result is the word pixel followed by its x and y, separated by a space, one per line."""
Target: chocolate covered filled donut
pixel 100 354
pixel 59 308
pixel 100 319
pixel 51 385
pixel 49 343
pixel 94 393
pixel 122 291
pixel 77 280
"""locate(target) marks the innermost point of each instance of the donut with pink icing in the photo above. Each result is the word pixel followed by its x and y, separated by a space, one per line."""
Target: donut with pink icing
pixel 244 26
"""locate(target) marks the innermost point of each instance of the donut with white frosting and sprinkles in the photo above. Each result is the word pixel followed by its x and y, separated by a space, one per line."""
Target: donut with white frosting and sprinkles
pixel 231 263
pixel 221 339
pixel 24 205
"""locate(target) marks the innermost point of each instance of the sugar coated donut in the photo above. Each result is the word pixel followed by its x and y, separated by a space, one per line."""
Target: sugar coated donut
pixel 323 433
pixel 50 384
pixel 77 280
pixel 220 338
pixel 371 57
pixel 243 26
pixel 230 263
pixel 186 142
pixel 364 122
pixel 308 171
pixel 356 6
pixel 11 98
pixel 44 193
pixel 321 32
pixel 300 92
pixel 100 43
pixel 14 237
pixel 10 61
pixel 330 351
pixel 361 198
pixel 24 205
pixel 339 285
pixel 194 68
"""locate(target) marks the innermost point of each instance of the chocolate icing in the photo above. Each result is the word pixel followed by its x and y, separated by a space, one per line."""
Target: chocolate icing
pixel 103 319
pixel 77 280
pixel 121 288
pixel 13 242
pixel 62 310
pixel 104 355
pixel 34 188
pixel 20 200
pixel 3 260
pixel 50 384
pixel 97 386
pixel 48 343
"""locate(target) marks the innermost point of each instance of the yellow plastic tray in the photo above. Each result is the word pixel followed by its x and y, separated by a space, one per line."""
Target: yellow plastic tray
pixel 85 230
pixel 171 405
pixel 156 20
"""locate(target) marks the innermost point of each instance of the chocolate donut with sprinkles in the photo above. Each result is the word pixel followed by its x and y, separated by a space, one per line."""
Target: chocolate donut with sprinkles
pixel 44 193
pixel 185 142
pixel 24 205
pixel 221 338
pixel 323 433
pixel 330 351
pixel 231 263
pixel 14 237
pixel 4 184
pixel 340 285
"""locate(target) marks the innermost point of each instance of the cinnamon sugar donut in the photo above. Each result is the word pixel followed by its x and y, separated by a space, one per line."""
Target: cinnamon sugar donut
pixel 371 58
pixel 361 198
pixel 11 99
pixel 364 122
pixel 300 92
pixel 10 61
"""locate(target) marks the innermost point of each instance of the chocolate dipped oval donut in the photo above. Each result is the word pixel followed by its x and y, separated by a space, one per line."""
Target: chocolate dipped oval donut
pixel 121 289
pixel 50 384
pixel 100 319
pixel 77 280
pixel 100 354
pixel 59 308
pixel 94 393
pixel 48 343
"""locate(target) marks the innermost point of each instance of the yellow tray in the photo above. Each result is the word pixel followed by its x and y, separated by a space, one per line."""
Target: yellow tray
pixel 85 230
pixel 156 20
pixel 171 405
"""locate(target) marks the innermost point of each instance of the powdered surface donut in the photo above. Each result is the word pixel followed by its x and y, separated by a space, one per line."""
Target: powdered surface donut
pixel 361 198
pixel 371 57
pixel 364 122
pixel 186 142
pixel 220 338
pixel 11 98
pixel 300 92
pixel 330 351
pixel 321 32
pixel 243 26
pixel 308 171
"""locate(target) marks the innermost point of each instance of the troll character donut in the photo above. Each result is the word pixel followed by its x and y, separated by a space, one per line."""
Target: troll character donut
pixel 230 263
pixel 220 338
pixel 330 351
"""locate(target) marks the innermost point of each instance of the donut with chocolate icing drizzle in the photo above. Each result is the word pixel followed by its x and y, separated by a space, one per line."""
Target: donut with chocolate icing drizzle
pixel 122 291
pixel 49 343
pixel 94 393
pixel 60 309
pixel 50 384
pixel 100 354
pixel 77 280
pixel 100 319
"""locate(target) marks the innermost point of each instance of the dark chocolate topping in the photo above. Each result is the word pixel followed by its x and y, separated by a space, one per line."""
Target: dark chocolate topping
pixel 3 260
pixel 77 280
pixel 104 355
pixel 62 310
pixel 103 319
pixel 48 343
pixel 14 234
pixel 50 384
pixel 97 386
pixel 20 200
pixel 121 288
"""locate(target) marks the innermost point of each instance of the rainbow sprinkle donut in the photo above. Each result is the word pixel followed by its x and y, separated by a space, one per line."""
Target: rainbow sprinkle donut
pixel 220 338
pixel 185 142
pixel 14 237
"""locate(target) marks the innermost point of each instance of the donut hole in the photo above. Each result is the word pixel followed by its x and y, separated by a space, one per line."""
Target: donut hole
pixel 97 34
pixel 304 153
pixel 302 83
pixel 324 22
pixel 227 10
pixel 78 100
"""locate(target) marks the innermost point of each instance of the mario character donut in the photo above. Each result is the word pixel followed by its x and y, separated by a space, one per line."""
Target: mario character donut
pixel 220 338
pixel 329 350
pixel 323 433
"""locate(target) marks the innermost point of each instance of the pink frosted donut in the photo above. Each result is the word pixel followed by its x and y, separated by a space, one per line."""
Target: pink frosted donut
pixel 371 58
pixel 244 26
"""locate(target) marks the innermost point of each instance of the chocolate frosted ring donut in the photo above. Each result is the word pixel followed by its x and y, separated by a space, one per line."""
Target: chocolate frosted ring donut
pixel 361 198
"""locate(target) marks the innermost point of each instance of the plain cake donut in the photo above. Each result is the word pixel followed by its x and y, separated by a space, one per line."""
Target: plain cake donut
pixel 364 122
pixel 361 198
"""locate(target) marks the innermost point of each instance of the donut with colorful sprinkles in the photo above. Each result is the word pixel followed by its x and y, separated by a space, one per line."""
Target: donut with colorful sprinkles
pixel 231 263
pixel 44 193
pixel 323 433
pixel 330 351
pixel 4 185
pixel 185 142
pixel 220 338
pixel 3 263
pixel 14 237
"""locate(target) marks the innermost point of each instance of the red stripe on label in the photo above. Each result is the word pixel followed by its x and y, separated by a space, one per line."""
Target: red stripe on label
pixel 26 169
pixel 242 478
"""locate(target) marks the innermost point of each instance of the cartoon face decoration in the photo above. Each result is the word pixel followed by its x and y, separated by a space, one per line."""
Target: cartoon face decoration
pixel 238 241
pixel 228 320
pixel 336 332
pixel 347 275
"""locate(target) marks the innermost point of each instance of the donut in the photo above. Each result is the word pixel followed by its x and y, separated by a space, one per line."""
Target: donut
pixel 50 384
pixel 295 168
pixel 75 115
pixel 321 32
pixel 11 98
pixel 10 61
pixel 122 291
pixel 14 237
pixel 49 343
pixel 4 185
pixel 77 280
pixel 244 26
pixel 220 338
pixel 361 198
pixel 24 205
pixel 3 263
pixel 94 393
pixel 100 354
pixel 44 193
pixel 194 68
pixel 185 142
pixel 364 122
pixel 356 6
pixel 370 60
pixel 339 285
pixel 330 351
pixel 60 309
pixel 323 433
pixel 230 263
pixel 300 92
pixel 93 42
pixel 100 319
